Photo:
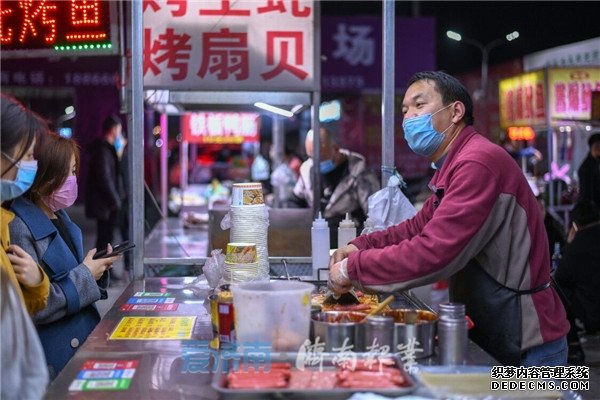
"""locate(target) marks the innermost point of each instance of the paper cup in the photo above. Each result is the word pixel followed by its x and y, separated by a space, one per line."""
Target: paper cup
pixel 247 194
pixel 235 273
pixel 241 253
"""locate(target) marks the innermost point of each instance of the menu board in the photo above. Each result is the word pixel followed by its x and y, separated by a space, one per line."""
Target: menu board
pixel 104 375
pixel 154 328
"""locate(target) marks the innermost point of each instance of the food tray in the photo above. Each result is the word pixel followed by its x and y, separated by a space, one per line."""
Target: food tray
pixel 219 382
pixel 472 382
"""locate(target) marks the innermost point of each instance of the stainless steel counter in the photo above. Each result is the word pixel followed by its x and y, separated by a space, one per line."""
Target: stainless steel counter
pixel 170 242
pixel 160 373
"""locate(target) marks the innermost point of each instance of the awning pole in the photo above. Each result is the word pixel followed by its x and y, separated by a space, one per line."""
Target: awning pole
pixel 387 99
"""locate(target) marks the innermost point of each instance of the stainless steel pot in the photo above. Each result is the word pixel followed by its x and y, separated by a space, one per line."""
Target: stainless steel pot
pixel 416 328
pixel 337 329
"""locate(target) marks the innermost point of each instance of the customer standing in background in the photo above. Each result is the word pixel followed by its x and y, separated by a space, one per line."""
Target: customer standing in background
pixel 589 172
pixel 578 274
pixel 346 183
pixel 104 195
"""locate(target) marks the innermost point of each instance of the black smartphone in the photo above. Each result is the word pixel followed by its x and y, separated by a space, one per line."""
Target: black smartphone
pixel 118 249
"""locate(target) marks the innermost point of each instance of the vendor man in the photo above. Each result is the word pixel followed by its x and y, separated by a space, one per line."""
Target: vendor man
pixel 481 228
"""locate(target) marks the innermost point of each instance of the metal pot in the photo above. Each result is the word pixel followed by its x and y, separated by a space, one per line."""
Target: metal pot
pixel 416 328
pixel 337 329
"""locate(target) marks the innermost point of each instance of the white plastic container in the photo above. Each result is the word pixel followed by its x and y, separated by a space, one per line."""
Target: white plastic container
pixel 320 245
pixel 275 312
pixel 346 231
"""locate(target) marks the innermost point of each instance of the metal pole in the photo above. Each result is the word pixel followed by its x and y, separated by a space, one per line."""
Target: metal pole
pixel 484 72
pixel 314 111
pixel 278 141
pixel 316 173
pixel 183 172
pixel 136 142
pixel 122 59
pixel 164 135
pixel 278 146
pixel 387 100
pixel 549 139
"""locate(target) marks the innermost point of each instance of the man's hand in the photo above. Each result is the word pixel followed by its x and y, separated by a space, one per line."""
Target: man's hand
pixel 26 269
pixel 341 254
pixel 571 235
pixel 339 282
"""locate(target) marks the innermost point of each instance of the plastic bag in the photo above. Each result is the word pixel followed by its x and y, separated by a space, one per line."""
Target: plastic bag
pixel 283 178
pixel 213 268
pixel 388 207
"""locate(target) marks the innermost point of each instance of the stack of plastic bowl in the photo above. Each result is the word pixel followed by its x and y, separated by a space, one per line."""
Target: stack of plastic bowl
pixel 250 222
pixel 241 262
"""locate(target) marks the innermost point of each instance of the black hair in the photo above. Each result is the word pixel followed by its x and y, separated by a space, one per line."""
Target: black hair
pixel 19 126
pixel 450 88
pixel 593 139
pixel 585 212
pixel 110 122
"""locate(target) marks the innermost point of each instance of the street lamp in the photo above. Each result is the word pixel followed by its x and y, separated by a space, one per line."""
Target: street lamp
pixel 485 51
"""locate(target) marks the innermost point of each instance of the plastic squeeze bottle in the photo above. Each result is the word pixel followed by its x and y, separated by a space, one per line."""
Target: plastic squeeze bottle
pixel 320 246
pixel 346 231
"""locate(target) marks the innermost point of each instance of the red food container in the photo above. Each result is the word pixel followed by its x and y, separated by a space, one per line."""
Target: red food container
pixel 226 318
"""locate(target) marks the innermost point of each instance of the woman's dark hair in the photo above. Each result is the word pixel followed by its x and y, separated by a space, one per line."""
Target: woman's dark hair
pixel 450 88
pixel 53 154
pixel 19 127
pixel 585 212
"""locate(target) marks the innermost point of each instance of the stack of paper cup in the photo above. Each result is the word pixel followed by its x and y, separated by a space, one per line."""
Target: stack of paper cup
pixel 241 262
pixel 250 222
pixel 247 194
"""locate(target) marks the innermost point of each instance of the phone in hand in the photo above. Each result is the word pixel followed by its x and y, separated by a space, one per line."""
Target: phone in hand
pixel 118 249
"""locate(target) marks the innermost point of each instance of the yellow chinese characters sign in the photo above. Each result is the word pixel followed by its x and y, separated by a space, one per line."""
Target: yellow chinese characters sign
pixel 522 100
pixel 523 97
pixel 571 92
pixel 154 328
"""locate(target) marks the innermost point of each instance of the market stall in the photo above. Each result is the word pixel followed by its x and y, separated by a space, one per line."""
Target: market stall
pixel 553 109
pixel 156 340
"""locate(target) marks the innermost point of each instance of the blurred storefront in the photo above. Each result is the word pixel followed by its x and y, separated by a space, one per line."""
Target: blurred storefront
pixel 559 101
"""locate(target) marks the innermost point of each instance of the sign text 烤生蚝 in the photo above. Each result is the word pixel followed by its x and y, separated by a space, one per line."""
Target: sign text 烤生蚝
pixel 43 27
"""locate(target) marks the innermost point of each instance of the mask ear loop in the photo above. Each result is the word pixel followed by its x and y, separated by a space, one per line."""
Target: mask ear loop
pixel 13 162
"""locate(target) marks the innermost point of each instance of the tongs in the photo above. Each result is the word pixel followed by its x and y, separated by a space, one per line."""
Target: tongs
pixel 344 299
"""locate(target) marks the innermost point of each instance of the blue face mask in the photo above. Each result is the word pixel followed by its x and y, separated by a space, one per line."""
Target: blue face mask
pixel 420 134
pixel 118 143
pixel 326 166
pixel 25 176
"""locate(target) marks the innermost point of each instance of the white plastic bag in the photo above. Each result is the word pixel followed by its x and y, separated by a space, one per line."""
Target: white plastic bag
pixel 388 207
pixel 283 178
pixel 213 268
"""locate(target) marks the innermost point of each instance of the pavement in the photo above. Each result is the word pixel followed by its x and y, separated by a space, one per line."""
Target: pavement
pixel 590 343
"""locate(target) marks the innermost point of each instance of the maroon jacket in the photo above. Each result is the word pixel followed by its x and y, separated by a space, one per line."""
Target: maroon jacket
pixel 483 230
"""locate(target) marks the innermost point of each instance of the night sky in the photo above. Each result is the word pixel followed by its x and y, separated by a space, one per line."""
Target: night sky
pixel 541 24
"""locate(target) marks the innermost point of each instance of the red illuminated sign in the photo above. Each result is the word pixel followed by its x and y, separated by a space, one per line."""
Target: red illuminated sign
pixel 220 127
pixel 73 25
